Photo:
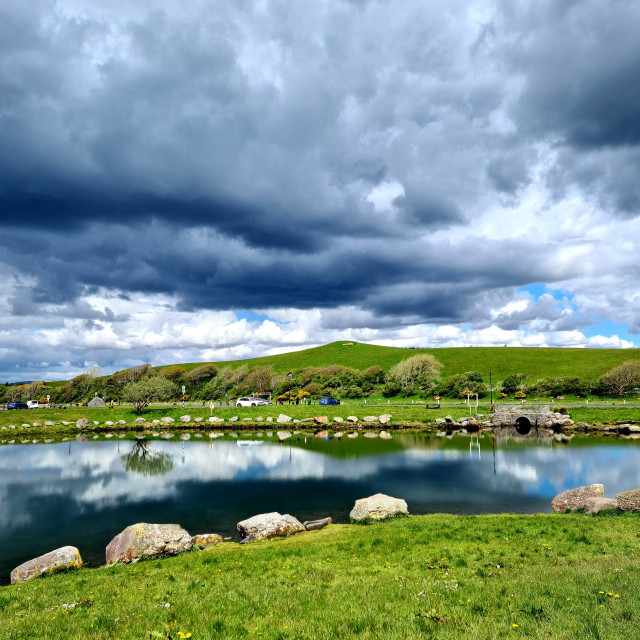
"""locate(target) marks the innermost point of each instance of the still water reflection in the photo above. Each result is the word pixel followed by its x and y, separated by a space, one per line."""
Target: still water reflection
pixel 84 493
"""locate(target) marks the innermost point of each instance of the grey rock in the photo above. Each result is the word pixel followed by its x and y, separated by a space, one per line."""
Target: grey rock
pixel 370 419
pixel 378 507
pixel 314 525
pixel 269 419
pixel 62 558
pixel 185 418
pixel 352 419
pixel 138 421
pixel 97 402
pixel 143 540
pixel 629 500
pixel 82 423
pixel 234 419
pixel 122 422
pixel 269 525
pixel 282 419
pixel 593 505
pixel 338 420
pixel 109 423
pixel 197 419
pixel 321 420
pixel 574 498
pixel 167 420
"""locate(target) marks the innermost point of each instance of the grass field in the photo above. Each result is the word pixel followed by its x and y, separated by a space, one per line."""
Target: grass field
pixel 501 361
pixel 437 576
pixel 413 415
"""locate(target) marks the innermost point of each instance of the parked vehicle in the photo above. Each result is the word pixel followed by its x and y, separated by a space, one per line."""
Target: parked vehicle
pixel 16 405
pixel 252 402
pixel 32 404
pixel 328 401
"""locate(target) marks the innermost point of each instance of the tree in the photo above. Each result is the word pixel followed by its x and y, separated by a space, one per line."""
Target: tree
pixel 173 372
pixel 512 382
pixel 417 371
pixel 201 373
pixel 623 378
pixel 145 391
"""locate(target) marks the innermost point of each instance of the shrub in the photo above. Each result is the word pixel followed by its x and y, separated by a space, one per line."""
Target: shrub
pixel 391 389
pixel 173 372
pixel 417 371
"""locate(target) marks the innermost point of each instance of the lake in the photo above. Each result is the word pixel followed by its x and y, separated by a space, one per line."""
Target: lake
pixel 84 493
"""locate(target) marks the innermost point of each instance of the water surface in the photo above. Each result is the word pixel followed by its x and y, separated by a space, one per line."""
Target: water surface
pixel 84 493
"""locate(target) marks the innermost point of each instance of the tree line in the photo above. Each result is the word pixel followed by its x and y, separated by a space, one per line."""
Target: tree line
pixel 414 376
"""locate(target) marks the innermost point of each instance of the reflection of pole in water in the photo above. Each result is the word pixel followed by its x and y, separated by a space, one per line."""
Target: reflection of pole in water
pixel 493 441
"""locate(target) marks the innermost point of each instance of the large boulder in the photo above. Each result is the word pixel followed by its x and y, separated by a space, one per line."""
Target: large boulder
pixel 378 507
pixel 575 498
pixel 282 418
pixel 143 540
pixel 594 505
pixel 269 525
pixel 97 402
pixel 629 500
pixel 63 558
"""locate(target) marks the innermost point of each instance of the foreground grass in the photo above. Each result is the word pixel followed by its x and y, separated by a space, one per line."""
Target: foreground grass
pixel 570 576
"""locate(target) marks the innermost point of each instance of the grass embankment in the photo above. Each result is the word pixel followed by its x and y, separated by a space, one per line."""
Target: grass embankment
pixel 413 416
pixel 535 362
pixel 556 576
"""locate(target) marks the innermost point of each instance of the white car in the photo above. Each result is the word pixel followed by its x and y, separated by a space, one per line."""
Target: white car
pixel 32 404
pixel 251 402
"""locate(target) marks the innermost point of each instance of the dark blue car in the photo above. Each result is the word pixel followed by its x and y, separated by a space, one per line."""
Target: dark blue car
pixel 17 405
pixel 328 401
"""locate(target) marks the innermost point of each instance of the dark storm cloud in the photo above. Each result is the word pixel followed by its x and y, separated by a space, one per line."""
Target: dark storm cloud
pixel 580 63
pixel 231 158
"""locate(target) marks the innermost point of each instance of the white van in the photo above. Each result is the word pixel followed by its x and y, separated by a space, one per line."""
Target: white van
pixel 32 404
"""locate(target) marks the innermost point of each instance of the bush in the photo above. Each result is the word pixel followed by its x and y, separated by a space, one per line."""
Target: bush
pixel 390 389
pixel 173 372
pixel 417 371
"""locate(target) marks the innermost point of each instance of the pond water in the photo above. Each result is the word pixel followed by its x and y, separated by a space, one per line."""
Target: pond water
pixel 84 493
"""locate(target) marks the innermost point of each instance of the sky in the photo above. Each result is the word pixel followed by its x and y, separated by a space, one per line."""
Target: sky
pixel 198 181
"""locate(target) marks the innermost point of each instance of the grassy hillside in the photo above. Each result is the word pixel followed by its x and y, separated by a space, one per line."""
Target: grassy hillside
pixel 501 361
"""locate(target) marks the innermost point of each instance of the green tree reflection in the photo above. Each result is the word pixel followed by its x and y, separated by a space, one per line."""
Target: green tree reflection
pixel 145 461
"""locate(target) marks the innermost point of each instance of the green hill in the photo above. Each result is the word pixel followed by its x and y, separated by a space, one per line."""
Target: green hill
pixel 535 362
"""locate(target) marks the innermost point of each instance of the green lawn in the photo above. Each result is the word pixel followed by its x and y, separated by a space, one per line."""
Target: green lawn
pixel 437 576
pixel 407 415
